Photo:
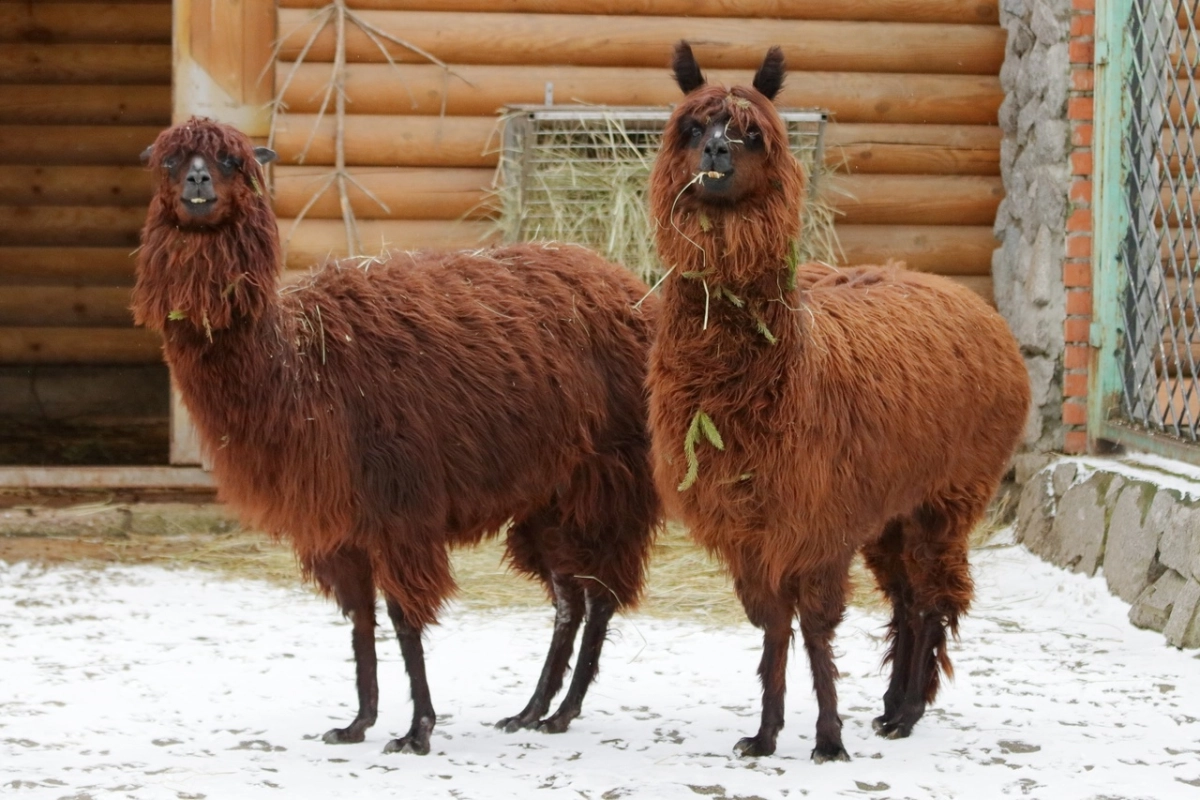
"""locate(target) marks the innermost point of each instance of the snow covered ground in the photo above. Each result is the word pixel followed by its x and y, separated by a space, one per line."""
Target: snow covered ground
pixel 142 682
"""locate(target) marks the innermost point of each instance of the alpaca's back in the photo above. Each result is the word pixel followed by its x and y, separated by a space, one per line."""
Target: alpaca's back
pixel 475 384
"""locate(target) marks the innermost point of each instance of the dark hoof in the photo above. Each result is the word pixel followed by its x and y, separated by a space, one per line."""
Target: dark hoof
pixel 408 744
pixel 754 746
pixel 894 728
pixel 555 724
pixel 517 723
pixel 829 752
pixel 349 735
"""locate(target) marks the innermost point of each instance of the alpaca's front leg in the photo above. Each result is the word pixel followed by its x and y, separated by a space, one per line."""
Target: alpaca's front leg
pixel 772 613
pixel 822 603
pixel 417 739
pixel 347 574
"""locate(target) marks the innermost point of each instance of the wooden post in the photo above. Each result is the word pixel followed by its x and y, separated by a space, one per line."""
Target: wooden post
pixel 223 69
pixel 223 62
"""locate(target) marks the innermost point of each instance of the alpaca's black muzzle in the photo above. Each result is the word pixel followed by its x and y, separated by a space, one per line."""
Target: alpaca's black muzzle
pixel 199 194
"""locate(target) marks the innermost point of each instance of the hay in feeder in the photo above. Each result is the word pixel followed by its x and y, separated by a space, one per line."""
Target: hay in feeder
pixel 580 175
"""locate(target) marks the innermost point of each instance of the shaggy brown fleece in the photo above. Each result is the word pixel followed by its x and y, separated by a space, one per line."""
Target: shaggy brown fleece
pixel 801 413
pixel 384 410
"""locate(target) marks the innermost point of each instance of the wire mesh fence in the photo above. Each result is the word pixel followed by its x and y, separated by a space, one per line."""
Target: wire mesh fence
pixel 1160 249
pixel 580 175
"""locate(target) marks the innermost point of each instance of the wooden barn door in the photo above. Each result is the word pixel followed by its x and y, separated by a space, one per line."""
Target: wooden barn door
pixel 84 87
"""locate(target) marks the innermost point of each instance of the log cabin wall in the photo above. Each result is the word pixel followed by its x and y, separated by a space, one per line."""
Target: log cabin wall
pixel 84 87
pixel 912 86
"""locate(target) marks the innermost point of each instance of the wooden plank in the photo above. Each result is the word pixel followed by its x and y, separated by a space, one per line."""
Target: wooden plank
pixel 407 193
pixel 56 23
pixel 915 199
pixel 480 90
pixel 72 266
pixel 393 141
pixel 79 346
pixel 86 63
pixel 314 241
pixel 944 249
pixel 85 104
pixel 75 186
pixel 93 226
pixel 981 12
pixel 586 40
pixel 176 478
pixel 46 145
pixel 916 149
pixel 65 306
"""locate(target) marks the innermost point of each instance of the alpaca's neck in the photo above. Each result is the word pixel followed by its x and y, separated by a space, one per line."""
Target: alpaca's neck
pixel 207 279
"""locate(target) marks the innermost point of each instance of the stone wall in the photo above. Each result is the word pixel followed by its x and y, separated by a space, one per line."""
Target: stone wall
pixel 1027 269
pixel 1136 523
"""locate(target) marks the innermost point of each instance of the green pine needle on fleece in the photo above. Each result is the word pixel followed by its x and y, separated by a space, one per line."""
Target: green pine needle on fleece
pixel 793 262
pixel 702 425
pixel 176 315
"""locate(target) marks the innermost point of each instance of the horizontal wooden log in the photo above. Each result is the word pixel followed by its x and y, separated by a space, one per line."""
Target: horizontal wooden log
pixel 45 145
pixel 421 141
pixel 73 266
pixel 393 141
pixel 982 286
pixel 944 249
pixel 65 306
pixel 95 226
pixel 914 200
pixel 590 40
pixel 981 12
pixel 481 90
pixel 313 241
pixel 86 63
pixel 79 346
pixel 55 23
pixel 450 194
pixel 913 149
pixel 406 193
pixel 85 104
pixel 159 479
pixel 75 186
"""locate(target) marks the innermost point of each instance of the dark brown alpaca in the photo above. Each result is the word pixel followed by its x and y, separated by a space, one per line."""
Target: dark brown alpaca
pixel 800 414
pixel 383 411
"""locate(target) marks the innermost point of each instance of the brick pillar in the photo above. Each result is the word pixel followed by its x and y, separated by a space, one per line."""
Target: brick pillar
pixel 1077 267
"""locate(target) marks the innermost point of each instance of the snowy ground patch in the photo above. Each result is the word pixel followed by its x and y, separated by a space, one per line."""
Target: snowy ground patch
pixel 142 682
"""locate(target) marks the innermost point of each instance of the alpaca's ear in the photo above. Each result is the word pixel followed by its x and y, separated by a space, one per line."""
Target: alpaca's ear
pixel 145 156
pixel 769 78
pixel 687 71
pixel 265 155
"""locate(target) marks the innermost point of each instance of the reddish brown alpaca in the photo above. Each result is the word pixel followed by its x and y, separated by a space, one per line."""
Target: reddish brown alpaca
pixel 826 413
pixel 379 413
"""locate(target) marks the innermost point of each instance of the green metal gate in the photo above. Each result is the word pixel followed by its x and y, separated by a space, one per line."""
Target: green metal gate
pixel 1146 381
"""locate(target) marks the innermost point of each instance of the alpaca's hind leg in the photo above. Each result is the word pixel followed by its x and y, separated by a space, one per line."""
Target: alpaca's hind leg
pixel 569 612
pixel 417 739
pixel 600 607
pixel 347 575
pixel 885 558
pixel 935 558
pixel 772 612
pixel 821 601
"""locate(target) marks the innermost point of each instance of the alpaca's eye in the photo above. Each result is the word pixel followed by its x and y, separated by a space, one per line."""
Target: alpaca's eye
pixel 695 131
pixel 171 162
pixel 230 163
pixel 754 135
